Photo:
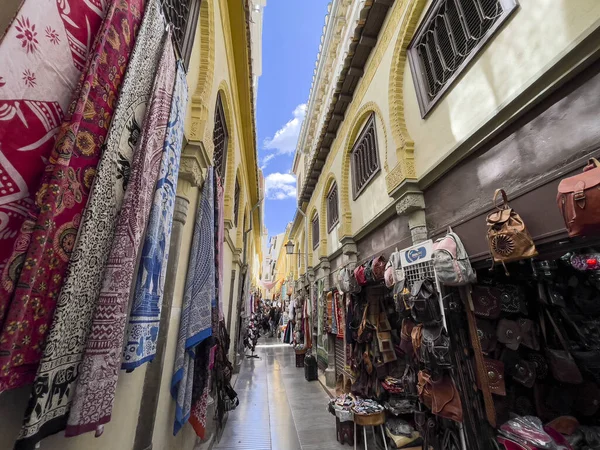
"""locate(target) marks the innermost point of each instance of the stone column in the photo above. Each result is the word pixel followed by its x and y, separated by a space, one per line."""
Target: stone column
pixel 412 204
pixel 190 177
pixel 324 272
pixel 350 252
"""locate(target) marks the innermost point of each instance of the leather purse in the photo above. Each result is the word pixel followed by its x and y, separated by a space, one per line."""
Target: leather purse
pixel 435 347
pixel 486 301
pixel 378 268
pixel 512 299
pixel 494 370
pixel 424 302
pixel 400 295
pixel 540 364
pixel 578 200
pixel 512 333
pixel 561 363
pixel 441 396
pixel 518 369
pixel 369 271
pixel 486 333
pixel 359 275
pixel 406 338
pixel 507 236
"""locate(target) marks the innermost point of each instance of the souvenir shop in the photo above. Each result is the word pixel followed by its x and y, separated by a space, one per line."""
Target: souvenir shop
pixel 488 335
pixel 88 221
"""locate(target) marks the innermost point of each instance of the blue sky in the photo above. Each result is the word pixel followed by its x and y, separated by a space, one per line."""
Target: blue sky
pixel 291 34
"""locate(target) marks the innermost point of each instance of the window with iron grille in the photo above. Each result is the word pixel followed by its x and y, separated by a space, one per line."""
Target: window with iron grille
pixel 236 202
pixel 365 158
pixel 183 17
pixel 220 138
pixel 332 208
pixel 315 232
pixel 449 37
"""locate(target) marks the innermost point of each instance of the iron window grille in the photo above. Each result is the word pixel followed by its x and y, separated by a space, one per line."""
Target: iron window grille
pixel 450 36
pixel 315 232
pixel 236 202
pixel 183 17
pixel 332 208
pixel 220 138
pixel 365 158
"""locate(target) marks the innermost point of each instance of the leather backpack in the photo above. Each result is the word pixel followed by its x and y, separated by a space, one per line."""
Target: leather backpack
pixel 451 261
pixel 579 201
pixel 508 237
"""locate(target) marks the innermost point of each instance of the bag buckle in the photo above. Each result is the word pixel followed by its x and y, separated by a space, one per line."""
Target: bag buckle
pixel 579 195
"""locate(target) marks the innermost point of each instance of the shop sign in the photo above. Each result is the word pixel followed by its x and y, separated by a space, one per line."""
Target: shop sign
pixel 416 254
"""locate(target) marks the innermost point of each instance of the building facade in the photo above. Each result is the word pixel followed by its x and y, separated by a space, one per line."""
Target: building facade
pixel 406 134
pixel 223 46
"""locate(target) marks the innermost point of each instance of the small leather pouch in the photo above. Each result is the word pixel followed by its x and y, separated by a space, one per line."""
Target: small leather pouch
pixel 513 333
pixel 495 376
pixel 518 369
pixel 512 300
pixel 486 332
pixel 486 302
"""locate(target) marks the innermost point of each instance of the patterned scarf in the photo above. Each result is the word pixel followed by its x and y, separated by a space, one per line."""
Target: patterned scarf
pixel 198 298
pixel 201 387
pixel 51 397
pixel 144 320
pixel 46 241
pixel 95 393
pixel 33 99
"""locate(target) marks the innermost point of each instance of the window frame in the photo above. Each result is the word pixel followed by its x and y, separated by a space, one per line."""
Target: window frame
pixel 236 202
pixel 315 232
pixel 220 111
pixel 416 68
pixel 184 48
pixel 332 203
pixel 366 159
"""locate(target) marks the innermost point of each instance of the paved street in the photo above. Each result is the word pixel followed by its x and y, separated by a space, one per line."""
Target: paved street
pixel 279 409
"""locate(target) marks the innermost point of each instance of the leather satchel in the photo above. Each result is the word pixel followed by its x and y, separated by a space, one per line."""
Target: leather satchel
pixel 508 237
pixel 406 338
pixel 424 302
pixel 518 369
pixel 494 371
pixel 562 365
pixel 435 347
pixel 441 396
pixel 513 333
pixel 486 301
pixel 578 200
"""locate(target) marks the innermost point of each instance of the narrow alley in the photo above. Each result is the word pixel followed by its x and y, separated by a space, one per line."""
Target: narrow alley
pixel 279 409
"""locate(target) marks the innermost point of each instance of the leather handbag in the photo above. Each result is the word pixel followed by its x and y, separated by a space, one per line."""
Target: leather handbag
pixel 540 364
pixel 369 271
pixel 441 396
pixel 486 301
pixel 424 302
pixel 365 330
pixel 512 299
pixel 388 276
pixel 518 369
pixel 416 335
pixel 359 275
pixel 378 268
pixel 486 333
pixel 400 295
pixel 494 371
pixel 405 337
pixel 561 363
pixel 513 333
pixel 409 381
pixel 507 236
pixel 435 347
pixel 578 200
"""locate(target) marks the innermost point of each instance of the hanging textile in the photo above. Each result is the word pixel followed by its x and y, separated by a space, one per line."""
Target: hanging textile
pixel 95 392
pixel 333 312
pixel 46 241
pixel 59 367
pixel 220 227
pixel 198 297
pixel 144 320
pixel 34 97
pixel 201 387
pixel 339 311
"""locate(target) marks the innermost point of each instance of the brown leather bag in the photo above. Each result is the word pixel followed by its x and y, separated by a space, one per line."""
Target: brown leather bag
pixel 441 396
pixel 494 372
pixel 507 234
pixel 579 201
pixel 486 301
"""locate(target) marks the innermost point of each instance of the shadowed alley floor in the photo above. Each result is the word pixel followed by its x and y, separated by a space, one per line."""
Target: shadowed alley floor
pixel 279 409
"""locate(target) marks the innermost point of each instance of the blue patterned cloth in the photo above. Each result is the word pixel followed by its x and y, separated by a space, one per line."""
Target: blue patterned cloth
pixel 198 297
pixel 142 330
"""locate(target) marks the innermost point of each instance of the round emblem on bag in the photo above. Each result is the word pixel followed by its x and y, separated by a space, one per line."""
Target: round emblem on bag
pixel 503 244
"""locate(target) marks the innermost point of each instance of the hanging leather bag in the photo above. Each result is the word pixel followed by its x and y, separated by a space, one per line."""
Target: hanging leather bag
pixel 562 365
pixel 378 268
pixel 365 330
pixel 508 237
pixel 424 302
pixel 578 200
pixel 451 261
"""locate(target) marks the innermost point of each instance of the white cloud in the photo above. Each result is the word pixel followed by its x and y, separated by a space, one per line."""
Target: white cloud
pixel 266 160
pixel 285 139
pixel 279 186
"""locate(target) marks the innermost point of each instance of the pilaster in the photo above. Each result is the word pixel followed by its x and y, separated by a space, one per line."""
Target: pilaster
pixel 412 204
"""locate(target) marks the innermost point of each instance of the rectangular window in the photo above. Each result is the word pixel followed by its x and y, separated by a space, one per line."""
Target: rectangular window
pixel 236 202
pixel 315 232
pixel 449 37
pixel 365 158
pixel 332 208
pixel 183 17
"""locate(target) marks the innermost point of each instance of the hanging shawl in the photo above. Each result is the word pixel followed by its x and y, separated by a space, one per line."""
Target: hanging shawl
pixel 34 96
pixel 144 320
pixel 220 227
pixel 95 393
pixel 61 200
pixel 331 300
pixel 339 311
pixel 198 297
pixel 51 399
pixel 201 387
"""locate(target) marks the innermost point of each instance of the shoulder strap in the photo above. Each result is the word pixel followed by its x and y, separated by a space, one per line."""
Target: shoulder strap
pixel 504 204
pixel 561 338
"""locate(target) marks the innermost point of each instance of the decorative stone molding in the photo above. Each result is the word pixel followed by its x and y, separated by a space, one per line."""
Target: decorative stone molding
pixel 412 204
pixel 311 275
pixel 181 209
pixel 409 203
pixel 190 170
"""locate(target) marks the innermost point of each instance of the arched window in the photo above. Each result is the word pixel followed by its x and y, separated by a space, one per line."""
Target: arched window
pixel 332 207
pixel 220 138
pixel 236 202
pixel 365 158
pixel 315 231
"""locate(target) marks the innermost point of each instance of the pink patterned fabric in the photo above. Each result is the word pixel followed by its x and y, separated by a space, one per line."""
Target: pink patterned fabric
pixel 43 54
pixel 95 393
